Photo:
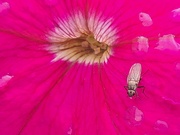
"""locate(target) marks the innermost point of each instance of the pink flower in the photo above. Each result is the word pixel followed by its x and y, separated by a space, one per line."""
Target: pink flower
pixel 64 65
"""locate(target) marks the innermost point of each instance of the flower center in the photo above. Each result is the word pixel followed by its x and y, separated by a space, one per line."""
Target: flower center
pixel 80 40
pixel 93 45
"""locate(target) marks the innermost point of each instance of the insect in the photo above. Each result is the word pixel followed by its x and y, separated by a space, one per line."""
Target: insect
pixel 133 79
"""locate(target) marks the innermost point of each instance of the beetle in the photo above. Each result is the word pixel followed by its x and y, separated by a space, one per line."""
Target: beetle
pixel 133 79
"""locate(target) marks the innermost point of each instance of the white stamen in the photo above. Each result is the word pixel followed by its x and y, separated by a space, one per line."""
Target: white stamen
pixel 76 26
pixel 161 126
pixel 168 42
pixel 146 19
pixel 140 44
pixel 4 6
pixel 176 12
pixel 70 131
pixel 4 80
pixel 138 115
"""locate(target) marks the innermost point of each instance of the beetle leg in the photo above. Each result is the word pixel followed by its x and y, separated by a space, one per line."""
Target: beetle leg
pixel 143 89
pixel 126 87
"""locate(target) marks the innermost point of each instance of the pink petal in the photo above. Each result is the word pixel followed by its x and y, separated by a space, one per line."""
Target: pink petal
pixel 63 98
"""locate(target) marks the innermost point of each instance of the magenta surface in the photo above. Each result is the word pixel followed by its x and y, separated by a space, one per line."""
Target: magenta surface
pixel 45 98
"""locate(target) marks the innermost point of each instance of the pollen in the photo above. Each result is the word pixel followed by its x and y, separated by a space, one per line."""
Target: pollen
pixel 82 39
